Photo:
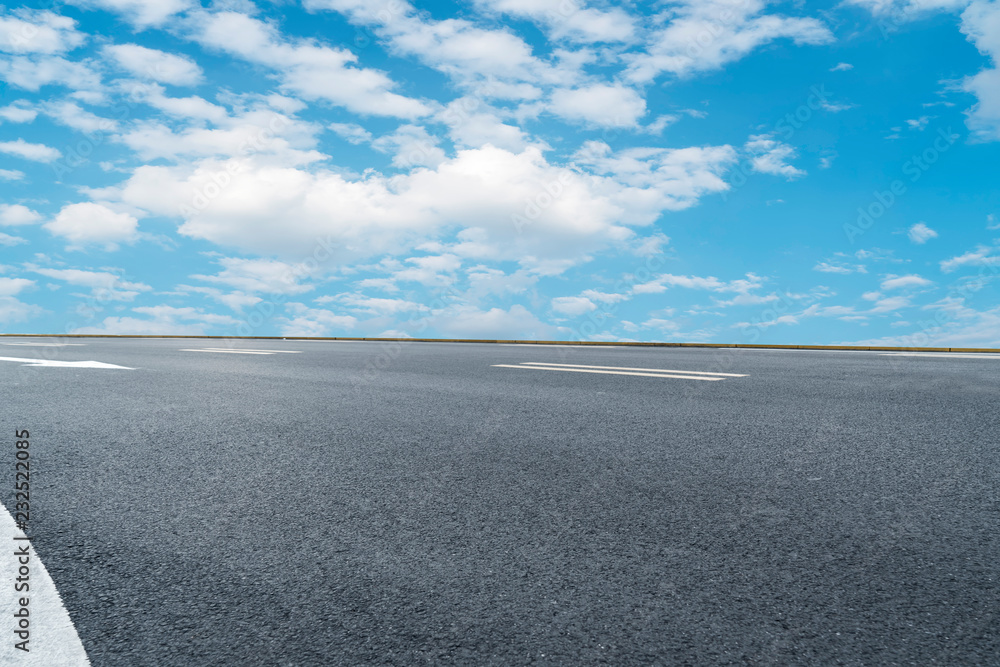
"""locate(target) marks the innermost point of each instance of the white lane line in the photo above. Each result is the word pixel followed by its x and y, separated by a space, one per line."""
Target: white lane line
pixel 620 368
pixel 600 347
pixel 949 355
pixel 64 364
pixel 48 344
pixel 227 351
pixel 587 370
pixel 52 639
pixel 246 349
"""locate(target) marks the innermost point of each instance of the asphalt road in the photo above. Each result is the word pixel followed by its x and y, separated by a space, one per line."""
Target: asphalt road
pixel 363 503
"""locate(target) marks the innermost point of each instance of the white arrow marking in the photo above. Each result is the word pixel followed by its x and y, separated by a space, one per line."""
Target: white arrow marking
pixel 52 639
pixel 65 364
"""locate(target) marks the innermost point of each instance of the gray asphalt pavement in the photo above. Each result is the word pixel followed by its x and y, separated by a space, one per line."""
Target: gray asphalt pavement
pixel 387 504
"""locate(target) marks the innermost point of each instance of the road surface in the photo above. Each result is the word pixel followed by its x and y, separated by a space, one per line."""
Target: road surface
pixel 348 503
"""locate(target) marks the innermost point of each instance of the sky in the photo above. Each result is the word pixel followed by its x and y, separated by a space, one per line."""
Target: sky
pixel 722 171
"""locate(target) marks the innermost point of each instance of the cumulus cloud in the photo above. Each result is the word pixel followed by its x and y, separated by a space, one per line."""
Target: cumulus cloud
pixel 920 233
pixel 141 13
pixel 17 214
pixel 91 223
pixel 768 156
pixel 568 20
pixel 981 256
pixel 29 151
pixel 161 320
pixel 981 24
pixel 704 35
pixel 899 282
pixel 309 69
pixel 600 104
pixel 38 32
pixel 155 65
pixel 522 206
pixel 573 305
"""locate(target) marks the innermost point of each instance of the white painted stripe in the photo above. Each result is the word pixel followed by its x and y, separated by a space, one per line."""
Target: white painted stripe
pixel 53 641
pixel 246 349
pixel 650 370
pixel 586 370
pixel 949 355
pixel 65 364
pixel 48 344
pixel 602 348
pixel 227 351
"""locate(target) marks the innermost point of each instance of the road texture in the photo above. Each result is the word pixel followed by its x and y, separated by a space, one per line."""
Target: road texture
pixel 358 503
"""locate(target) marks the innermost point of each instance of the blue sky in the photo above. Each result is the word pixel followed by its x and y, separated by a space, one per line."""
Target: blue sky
pixel 729 171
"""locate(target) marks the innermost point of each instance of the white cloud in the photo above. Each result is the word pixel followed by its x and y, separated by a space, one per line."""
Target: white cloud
pixel 920 233
pixel 311 70
pixel 305 321
pixel 660 284
pixel 918 124
pixel 600 104
pixel 573 305
pixel 411 146
pixel 11 175
pixel 266 276
pixel 237 301
pixel 522 206
pixel 31 73
pixel 351 132
pixel 155 65
pixel 890 304
pixel 12 310
pixel 17 114
pixel 899 282
pixel 103 284
pixel 141 13
pixel 826 267
pixel 705 35
pixel 13 286
pixel 17 214
pixel 38 32
pixel 981 24
pixel 842 67
pixel 374 305
pixel 88 222
pixel 71 115
pixel 161 320
pixel 8 240
pixel 568 20
pixel 466 321
pixel 472 123
pixel 981 256
pixel 991 222
pixel 28 151
pixel 768 156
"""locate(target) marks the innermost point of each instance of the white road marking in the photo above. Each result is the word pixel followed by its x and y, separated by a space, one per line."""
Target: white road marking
pixel 950 355
pixel 47 344
pixel 228 351
pixel 600 347
pixel 64 364
pixel 246 349
pixel 52 639
pixel 651 370
pixel 587 370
